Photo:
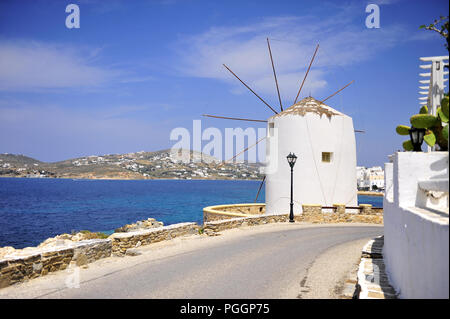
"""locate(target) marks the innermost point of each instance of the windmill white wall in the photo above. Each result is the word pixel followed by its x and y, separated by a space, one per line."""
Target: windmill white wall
pixel 308 129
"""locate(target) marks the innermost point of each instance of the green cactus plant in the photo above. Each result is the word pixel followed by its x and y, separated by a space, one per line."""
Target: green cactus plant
pixel 423 110
pixel 423 120
pixel 436 126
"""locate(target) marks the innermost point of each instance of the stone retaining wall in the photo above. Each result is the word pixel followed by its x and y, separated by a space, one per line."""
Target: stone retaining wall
pixel 311 213
pixel 220 225
pixel 121 242
pixel 311 209
pixel 29 264
pixel 362 209
pixel 91 251
pixel 213 216
pixel 19 267
pixel 221 212
pixel 324 218
pixel 366 215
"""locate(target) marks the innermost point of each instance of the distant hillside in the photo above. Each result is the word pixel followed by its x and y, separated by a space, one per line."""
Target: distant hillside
pixel 140 165
pixel 14 159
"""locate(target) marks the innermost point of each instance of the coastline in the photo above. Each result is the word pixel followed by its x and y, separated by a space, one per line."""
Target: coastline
pixel 135 179
pixel 370 193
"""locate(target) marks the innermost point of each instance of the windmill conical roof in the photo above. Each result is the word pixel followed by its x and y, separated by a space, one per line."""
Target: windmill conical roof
pixel 308 105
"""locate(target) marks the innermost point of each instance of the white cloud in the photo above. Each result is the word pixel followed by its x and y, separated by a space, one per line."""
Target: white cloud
pixel 37 66
pixel 31 66
pixel 244 49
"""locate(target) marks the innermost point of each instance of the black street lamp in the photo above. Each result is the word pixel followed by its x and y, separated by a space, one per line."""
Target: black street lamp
pixel 291 158
pixel 416 135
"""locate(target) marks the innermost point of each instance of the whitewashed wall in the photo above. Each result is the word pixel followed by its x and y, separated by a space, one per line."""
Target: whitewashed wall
pixel 416 239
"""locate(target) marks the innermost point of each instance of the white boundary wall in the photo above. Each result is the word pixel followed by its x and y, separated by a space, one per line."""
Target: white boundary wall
pixel 416 239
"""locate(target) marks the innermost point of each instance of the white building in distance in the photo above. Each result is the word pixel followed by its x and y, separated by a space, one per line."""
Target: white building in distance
pixel 323 139
pixel 371 178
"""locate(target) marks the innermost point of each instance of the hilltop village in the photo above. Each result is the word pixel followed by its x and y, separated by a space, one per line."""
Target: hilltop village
pixel 140 165
pixel 152 165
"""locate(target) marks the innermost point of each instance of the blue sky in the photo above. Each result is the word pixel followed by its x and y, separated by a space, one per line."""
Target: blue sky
pixel 135 70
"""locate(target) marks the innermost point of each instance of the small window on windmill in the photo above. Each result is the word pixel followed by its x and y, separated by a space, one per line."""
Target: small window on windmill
pixel 327 157
pixel 271 129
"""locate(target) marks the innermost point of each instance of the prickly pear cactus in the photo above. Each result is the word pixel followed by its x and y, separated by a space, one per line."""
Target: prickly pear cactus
pixel 423 120
pixel 436 126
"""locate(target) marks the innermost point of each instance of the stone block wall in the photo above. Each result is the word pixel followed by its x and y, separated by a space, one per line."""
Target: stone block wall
pixel 366 214
pixel 221 212
pixel 31 263
pixel 121 242
pixel 340 208
pixel 315 218
pixel 91 251
pixel 220 225
pixel 20 267
pixel 212 216
pixel 311 209
pixel 251 209
pixel 311 214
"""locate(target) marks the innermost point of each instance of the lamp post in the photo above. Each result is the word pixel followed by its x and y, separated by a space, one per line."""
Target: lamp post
pixel 416 135
pixel 291 158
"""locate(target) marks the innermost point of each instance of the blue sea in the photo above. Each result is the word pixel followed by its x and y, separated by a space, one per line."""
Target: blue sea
pixel 32 210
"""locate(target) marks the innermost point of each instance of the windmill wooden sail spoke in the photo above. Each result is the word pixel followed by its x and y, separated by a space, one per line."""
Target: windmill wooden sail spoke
pixel 337 92
pixel 274 74
pixel 310 63
pixel 250 89
pixel 246 149
pixel 234 118
pixel 312 122
pixel 259 189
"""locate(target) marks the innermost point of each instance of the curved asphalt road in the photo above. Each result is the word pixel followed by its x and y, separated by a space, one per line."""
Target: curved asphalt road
pixel 270 261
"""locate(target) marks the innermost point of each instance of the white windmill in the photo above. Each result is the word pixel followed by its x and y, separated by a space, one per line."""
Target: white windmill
pixel 323 140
